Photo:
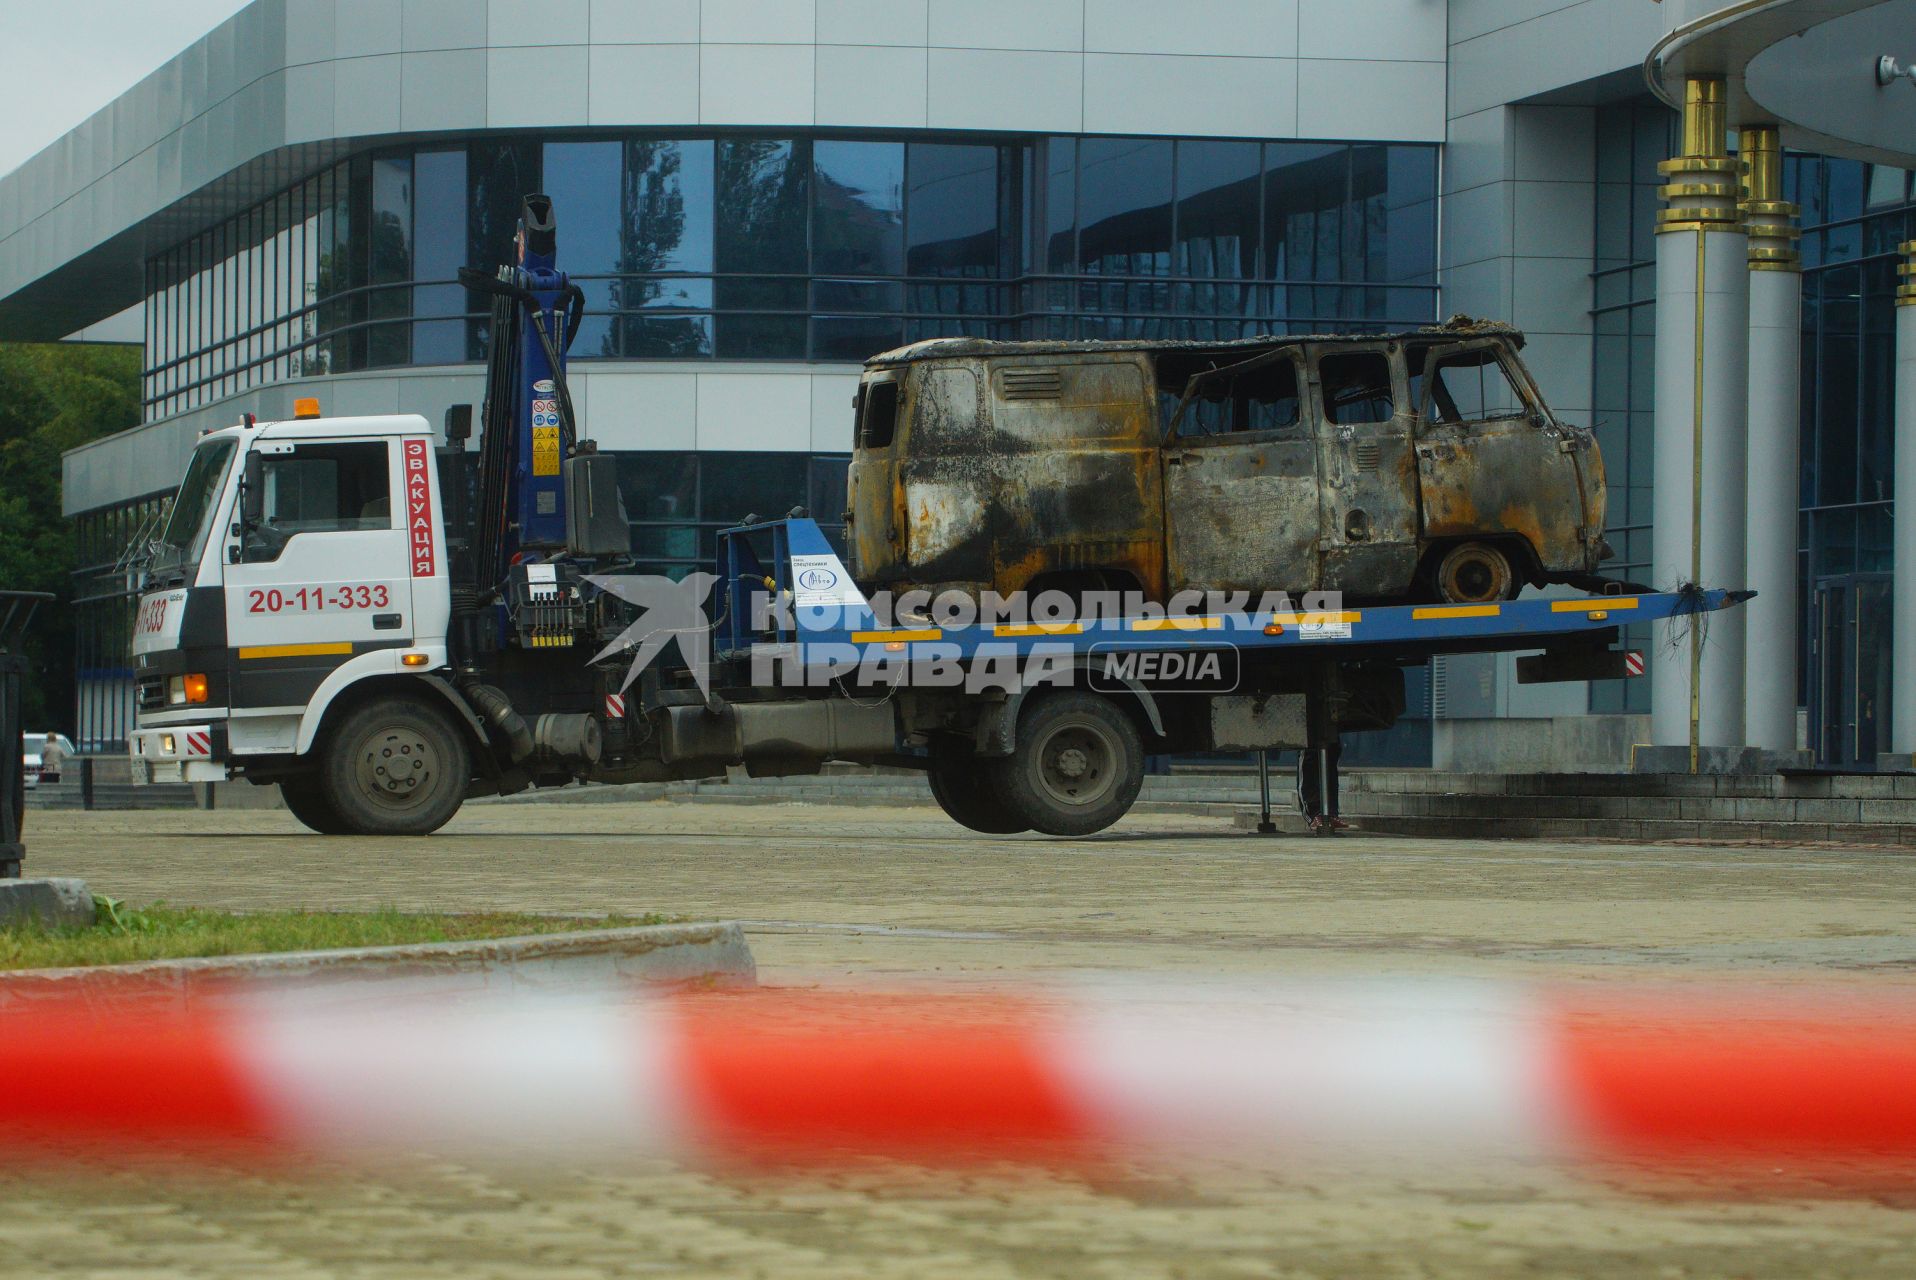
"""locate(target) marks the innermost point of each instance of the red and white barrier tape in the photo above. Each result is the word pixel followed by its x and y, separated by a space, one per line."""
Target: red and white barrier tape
pixel 1436 1069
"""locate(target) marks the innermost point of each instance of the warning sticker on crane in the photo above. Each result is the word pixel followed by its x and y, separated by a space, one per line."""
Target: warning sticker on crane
pixel 545 442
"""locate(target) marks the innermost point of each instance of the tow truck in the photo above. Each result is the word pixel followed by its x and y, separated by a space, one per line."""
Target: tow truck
pixel 383 626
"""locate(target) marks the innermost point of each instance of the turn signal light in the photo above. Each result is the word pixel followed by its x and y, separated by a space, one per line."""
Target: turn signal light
pixel 413 659
pixel 181 690
pixel 306 407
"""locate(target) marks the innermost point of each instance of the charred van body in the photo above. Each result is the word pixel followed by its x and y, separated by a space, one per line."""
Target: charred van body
pixel 1417 465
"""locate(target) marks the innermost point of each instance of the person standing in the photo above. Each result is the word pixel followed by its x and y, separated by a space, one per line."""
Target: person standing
pixel 52 758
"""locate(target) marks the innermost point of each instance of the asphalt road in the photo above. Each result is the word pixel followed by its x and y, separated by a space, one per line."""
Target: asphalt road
pixel 862 894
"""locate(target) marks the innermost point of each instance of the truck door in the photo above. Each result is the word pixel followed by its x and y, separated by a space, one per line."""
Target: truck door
pixel 326 574
pixel 1487 462
pixel 873 530
pixel 1368 474
pixel 1240 481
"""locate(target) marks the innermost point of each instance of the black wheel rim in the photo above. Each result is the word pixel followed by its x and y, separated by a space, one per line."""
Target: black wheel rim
pixel 1076 763
pixel 397 768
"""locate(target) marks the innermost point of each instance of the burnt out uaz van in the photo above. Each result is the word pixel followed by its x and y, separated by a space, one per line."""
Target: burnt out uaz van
pixel 1419 465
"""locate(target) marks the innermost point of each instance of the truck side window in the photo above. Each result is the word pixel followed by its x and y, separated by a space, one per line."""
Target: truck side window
pixel 877 415
pixel 1470 386
pixel 1356 387
pixel 327 488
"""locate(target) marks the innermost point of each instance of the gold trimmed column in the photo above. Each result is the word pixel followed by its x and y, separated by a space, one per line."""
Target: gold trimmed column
pixel 1702 356
pixel 1902 726
pixel 1775 355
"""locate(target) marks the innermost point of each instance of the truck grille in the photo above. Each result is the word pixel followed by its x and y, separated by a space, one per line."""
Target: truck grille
pixel 152 691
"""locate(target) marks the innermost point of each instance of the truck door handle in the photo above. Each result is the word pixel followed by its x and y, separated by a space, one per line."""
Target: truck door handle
pixel 387 621
pixel 1179 459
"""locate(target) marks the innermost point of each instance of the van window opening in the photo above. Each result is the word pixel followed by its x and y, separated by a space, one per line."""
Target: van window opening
pixel 878 414
pixel 1465 386
pixel 1260 394
pixel 1356 387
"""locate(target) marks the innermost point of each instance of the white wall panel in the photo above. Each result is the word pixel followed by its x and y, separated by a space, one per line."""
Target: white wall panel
pixel 642 84
pixel 832 418
pixel 533 22
pixel 993 89
pixel 755 411
pixel 365 96
pixel 644 410
pixel 870 86
pixel 758 22
pixel 537 85
pixel 1233 28
pixel 903 22
pixel 442 24
pixel 1401 101
pixel 1390 30
pixel 755 84
pixel 363 27
pixel 1008 24
pixel 441 90
pixel 645 21
pixel 1165 94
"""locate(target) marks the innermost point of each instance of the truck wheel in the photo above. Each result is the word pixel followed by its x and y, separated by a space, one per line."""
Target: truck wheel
pixel 395 767
pixel 965 787
pixel 1078 765
pixel 1475 573
pixel 307 803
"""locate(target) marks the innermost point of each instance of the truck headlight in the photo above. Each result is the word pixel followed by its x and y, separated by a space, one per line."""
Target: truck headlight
pixel 181 690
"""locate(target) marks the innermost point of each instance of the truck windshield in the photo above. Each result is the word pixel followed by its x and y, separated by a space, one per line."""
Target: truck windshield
pixel 192 516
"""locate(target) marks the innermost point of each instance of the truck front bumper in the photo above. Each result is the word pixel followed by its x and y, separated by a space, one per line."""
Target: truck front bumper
pixel 177 753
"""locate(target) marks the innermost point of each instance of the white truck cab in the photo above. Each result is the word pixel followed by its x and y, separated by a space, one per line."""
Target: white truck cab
pixel 302 559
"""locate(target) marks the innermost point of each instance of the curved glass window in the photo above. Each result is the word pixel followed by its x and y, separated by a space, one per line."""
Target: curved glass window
pixel 797 248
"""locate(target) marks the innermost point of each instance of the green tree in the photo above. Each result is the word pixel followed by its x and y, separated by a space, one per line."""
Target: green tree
pixel 53 397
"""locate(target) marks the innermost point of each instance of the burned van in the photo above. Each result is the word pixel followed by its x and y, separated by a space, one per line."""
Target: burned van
pixel 1407 466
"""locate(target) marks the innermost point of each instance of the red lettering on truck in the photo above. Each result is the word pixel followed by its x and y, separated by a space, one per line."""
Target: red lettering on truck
pixel 419 508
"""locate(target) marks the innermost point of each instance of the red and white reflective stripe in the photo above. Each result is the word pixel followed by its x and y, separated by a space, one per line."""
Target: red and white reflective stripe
pixel 615 706
pixel 1428 1070
pixel 199 742
pixel 1633 662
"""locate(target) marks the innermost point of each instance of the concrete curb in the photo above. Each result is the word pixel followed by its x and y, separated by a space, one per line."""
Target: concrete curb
pixel 52 903
pixel 584 966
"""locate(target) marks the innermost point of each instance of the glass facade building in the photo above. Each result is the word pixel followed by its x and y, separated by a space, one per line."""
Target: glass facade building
pixel 798 248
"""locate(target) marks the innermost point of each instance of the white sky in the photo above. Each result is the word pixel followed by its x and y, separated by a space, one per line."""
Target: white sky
pixel 62 60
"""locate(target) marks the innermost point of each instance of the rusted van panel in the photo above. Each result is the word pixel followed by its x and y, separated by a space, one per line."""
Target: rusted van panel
pixel 1310 463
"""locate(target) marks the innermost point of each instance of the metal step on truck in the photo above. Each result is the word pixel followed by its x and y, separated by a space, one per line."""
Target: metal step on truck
pixel 383 625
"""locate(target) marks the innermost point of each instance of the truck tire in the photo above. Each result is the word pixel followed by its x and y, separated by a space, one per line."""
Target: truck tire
pixel 1475 573
pixel 1077 767
pixel 965 787
pixel 394 767
pixel 307 803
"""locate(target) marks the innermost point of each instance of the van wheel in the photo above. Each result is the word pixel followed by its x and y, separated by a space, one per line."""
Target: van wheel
pixel 965 787
pixel 307 803
pixel 1078 765
pixel 395 767
pixel 1475 573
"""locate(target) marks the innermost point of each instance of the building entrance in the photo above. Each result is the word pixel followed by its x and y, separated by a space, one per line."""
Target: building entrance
pixel 1850 673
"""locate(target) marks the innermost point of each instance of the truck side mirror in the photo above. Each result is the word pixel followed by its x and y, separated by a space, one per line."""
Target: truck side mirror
pixel 252 499
pixel 458 424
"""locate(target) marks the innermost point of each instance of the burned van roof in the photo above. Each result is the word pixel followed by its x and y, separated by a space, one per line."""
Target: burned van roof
pixel 946 348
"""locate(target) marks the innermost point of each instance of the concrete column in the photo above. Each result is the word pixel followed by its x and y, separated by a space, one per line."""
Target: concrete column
pixel 1902 714
pixel 1702 351
pixel 1776 316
